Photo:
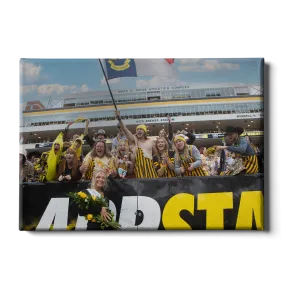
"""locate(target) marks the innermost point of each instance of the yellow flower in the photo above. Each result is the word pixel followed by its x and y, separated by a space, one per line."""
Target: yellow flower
pixel 71 225
pixel 89 217
pixel 94 198
pixel 82 195
pixel 32 226
pixel 93 220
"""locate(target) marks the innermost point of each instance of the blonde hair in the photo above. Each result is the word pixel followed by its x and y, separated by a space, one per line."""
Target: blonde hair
pixel 114 152
pixel 179 137
pixel 165 133
pixel 185 155
pixel 127 149
pixel 165 146
pixel 95 174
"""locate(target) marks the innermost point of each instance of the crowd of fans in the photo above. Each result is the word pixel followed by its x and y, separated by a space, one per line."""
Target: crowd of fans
pixel 137 156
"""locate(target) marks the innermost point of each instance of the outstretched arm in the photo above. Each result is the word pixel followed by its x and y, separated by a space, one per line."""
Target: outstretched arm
pixel 170 131
pixel 129 135
pixel 86 127
pixel 236 149
pixel 66 130
pixel 89 140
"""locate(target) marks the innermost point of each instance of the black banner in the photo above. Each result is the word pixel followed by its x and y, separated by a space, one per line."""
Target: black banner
pixel 196 203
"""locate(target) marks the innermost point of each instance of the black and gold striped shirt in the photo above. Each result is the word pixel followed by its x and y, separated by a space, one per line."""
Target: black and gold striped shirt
pixel 186 163
pixel 245 150
pixel 144 167
pixel 158 163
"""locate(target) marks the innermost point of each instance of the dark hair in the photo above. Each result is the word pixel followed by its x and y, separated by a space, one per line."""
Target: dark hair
pixel 36 154
pixel 191 139
pixel 231 129
pixel 106 150
pixel 24 159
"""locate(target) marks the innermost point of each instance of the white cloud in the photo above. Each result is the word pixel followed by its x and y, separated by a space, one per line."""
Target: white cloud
pixel 53 89
pixel 24 89
pixel 30 70
pixel 111 82
pixel 158 81
pixel 84 88
pixel 205 65
pixel 56 88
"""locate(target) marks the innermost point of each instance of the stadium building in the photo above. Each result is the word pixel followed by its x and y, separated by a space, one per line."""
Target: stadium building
pixel 205 112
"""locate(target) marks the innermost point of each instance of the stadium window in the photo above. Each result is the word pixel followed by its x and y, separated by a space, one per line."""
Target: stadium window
pixel 69 102
pixel 209 108
pixel 241 91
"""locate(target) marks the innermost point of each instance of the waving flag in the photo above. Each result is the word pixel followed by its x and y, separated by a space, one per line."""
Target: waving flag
pixel 139 67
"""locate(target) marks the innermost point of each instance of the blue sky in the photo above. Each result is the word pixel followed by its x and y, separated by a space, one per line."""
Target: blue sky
pixel 42 78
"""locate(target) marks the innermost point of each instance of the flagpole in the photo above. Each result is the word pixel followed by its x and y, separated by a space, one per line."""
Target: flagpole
pixel 108 84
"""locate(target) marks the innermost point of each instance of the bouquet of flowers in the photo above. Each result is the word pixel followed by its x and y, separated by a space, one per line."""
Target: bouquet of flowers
pixel 85 201
pixel 98 219
pixel 237 167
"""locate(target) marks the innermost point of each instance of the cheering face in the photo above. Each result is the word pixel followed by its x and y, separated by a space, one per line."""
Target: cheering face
pixel 140 133
pixel 122 147
pixel 100 149
pixel 101 137
pixel 77 145
pixel 162 134
pixel 69 156
pixel 160 144
pixel 56 146
pixel 179 144
pixel 230 138
pixel 205 151
pixel 100 180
